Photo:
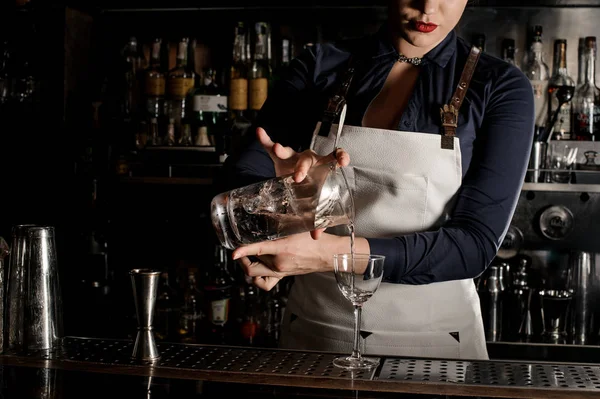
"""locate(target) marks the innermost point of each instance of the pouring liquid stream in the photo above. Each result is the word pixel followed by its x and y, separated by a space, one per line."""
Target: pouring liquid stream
pixel 351 227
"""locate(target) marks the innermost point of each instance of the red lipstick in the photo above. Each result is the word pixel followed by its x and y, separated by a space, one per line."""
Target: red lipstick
pixel 424 27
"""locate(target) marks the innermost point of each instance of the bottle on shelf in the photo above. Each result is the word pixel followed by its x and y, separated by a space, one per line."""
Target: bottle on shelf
pixel 167 310
pixel 154 92
pixel 133 69
pixel 209 107
pixel 251 333
pixel 479 41
pixel 180 82
pixel 509 51
pixel 238 88
pixel 586 102
pixel 286 55
pixel 218 290
pixel 560 78
pixel 181 78
pixel 260 70
pixel 538 74
pixel 191 313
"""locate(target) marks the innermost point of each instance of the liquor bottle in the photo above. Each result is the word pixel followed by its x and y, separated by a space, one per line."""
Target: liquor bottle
pixel 191 313
pixel 133 69
pixel 275 308
pixel 251 321
pixel 509 51
pixel 238 88
pixel 286 52
pixel 260 71
pixel 560 77
pixel 209 106
pixel 479 41
pixel 181 77
pixel 218 289
pixel 586 102
pixel 5 78
pixel 536 71
pixel 167 310
pixel 154 85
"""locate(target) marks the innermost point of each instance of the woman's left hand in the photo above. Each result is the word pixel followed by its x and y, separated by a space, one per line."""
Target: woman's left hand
pixel 269 261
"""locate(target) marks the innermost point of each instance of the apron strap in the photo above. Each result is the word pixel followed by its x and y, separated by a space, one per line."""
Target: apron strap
pixel 336 106
pixel 449 112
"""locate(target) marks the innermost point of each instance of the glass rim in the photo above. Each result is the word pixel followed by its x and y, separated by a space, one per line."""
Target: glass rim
pixel 359 256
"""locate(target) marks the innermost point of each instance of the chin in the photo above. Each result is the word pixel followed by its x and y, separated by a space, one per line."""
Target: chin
pixel 423 39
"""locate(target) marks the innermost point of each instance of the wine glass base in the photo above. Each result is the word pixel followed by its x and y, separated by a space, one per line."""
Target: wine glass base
pixel 356 363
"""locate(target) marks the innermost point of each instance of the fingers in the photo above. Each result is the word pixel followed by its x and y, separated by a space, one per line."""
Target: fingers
pixel 343 158
pixel 306 161
pixel 339 155
pixel 258 249
pixel 264 139
pixel 316 234
pixel 262 276
pixel 283 152
pixel 266 283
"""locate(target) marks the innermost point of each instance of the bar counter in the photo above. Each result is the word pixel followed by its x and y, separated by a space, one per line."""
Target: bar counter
pixel 277 373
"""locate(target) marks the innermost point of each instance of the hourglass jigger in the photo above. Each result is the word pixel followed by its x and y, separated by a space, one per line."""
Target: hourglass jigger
pixel 145 283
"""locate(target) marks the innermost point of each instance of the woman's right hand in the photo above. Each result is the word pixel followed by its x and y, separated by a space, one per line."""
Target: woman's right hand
pixel 288 161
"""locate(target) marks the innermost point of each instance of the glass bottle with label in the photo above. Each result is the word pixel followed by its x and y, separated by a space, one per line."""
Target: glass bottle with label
pixel 260 72
pixel 560 77
pixel 536 71
pixel 218 289
pixel 209 104
pixel 181 77
pixel 191 313
pixel 154 85
pixel 238 87
pixel 586 103
pixel 167 310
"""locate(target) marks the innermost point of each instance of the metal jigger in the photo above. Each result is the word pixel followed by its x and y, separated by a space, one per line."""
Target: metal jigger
pixel 145 284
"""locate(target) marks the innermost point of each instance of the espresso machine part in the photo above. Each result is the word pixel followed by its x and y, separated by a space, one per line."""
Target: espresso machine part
pixel 537 162
pixel 34 301
pixel 556 222
pixel 582 278
pixel 491 295
pixel 511 244
pixel 145 284
pixel 518 319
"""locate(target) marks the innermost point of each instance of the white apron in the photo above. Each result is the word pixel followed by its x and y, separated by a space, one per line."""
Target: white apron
pixel 402 182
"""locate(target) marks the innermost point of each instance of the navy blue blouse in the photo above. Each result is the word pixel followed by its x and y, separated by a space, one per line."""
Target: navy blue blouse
pixel 495 131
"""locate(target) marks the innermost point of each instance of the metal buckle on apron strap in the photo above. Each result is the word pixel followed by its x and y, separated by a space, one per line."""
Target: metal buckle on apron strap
pixel 449 112
pixel 337 104
pixel 334 108
pixel 449 115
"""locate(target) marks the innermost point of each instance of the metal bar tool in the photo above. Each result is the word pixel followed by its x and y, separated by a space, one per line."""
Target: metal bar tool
pixel 145 284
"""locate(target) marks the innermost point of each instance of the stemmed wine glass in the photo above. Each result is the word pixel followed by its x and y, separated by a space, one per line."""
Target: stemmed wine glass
pixel 358 277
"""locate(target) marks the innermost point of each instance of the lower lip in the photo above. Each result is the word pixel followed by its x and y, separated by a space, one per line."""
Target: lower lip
pixel 425 28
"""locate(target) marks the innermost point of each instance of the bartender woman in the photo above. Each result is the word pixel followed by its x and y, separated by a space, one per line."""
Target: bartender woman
pixel 436 139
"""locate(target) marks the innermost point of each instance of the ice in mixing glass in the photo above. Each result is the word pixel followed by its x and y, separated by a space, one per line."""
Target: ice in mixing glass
pixel 280 207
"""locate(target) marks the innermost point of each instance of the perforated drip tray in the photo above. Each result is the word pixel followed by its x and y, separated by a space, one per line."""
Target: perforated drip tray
pixel 215 358
pixel 496 374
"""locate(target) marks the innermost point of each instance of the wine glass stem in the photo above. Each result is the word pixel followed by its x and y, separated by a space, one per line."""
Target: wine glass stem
pixel 357 313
